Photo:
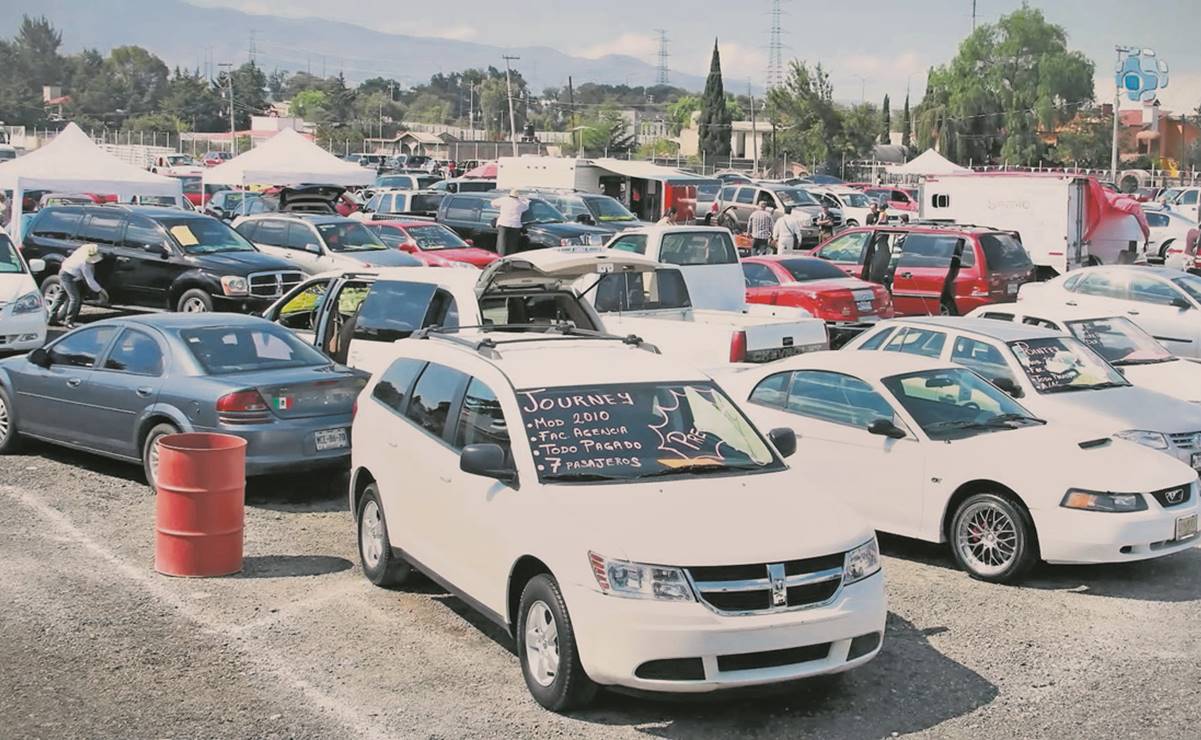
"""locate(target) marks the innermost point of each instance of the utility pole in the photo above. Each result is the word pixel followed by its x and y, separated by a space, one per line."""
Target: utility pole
pixel 754 132
pixel 973 16
pixel 509 89
pixel 571 102
pixel 471 108
pixel 1117 103
pixel 233 130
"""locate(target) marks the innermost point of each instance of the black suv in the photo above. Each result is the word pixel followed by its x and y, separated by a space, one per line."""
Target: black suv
pixel 161 258
pixel 473 216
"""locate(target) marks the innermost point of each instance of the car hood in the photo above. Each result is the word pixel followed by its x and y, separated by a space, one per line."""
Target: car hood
pixel 722 520
pixel 15 285
pixel 1178 378
pixel 1110 410
pixel 382 258
pixel 567 229
pixel 240 263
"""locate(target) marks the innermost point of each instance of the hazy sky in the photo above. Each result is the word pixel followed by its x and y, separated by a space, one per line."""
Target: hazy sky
pixel 869 46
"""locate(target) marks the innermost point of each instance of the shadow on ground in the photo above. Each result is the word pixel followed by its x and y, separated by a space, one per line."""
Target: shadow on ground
pixel 292 566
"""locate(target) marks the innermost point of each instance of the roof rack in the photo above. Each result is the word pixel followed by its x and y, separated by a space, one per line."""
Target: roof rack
pixel 489 346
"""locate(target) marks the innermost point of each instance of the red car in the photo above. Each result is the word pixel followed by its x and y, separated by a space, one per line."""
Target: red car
pixel 426 238
pixel 898 199
pixel 933 269
pixel 214 158
pixel 847 303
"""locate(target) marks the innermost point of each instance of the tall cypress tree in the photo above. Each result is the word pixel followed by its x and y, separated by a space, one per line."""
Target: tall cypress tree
pixel 715 118
pixel 906 124
pixel 885 119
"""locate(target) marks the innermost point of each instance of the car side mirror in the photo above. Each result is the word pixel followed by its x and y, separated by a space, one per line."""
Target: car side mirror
pixel 586 219
pixel 470 242
pixel 488 461
pixel 1009 386
pixel 40 357
pixel 314 248
pixel 886 428
pixel 784 440
pixel 155 249
pixel 37 265
pixel 787 209
pixel 408 247
pixel 1181 303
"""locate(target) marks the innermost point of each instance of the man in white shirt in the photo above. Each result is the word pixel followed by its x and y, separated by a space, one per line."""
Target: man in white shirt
pixel 508 222
pixel 80 267
pixel 787 231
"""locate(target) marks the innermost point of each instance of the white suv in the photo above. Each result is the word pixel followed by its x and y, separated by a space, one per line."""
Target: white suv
pixel 619 516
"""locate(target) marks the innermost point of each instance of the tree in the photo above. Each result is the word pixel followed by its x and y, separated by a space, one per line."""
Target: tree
pixel 802 108
pixel 250 93
pixel 885 120
pixel 858 131
pixel 429 108
pixel 680 112
pixel 906 125
pixel 310 105
pixel 1086 142
pixel 191 99
pixel 715 117
pixel 1009 83
pixel 608 135
pixel 138 79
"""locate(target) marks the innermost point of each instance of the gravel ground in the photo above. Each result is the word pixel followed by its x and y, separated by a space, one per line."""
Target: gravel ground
pixel 93 643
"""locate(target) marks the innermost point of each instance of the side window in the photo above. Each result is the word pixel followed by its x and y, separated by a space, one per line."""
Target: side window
pixel 272 232
pixel 393 310
pixel 102 228
pixel 846 248
pixel 395 383
pixel 56 224
pixel 443 311
pixel 300 236
pixel 982 357
pixel 83 347
pixel 249 230
pixel 998 315
pixel 635 243
pixel 142 233
pixel 758 276
pixel 877 339
pixel 1148 290
pixel 727 193
pixel 481 420
pixel 772 390
pixel 1189 198
pixel 373 203
pixel 463 209
pixel 136 353
pixel 300 312
pixel 924 250
pixel 836 398
pixel 433 396
pixel 1035 321
pixel 745 195
pixel 1101 284
pixel 918 342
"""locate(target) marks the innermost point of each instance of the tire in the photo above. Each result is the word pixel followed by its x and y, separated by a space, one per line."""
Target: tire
pixel 850 223
pixel 10 440
pixel 552 669
pixel 988 514
pixel 1163 250
pixel 194 301
pixel 380 566
pixel 946 307
pixel 149 457
pixel 53 297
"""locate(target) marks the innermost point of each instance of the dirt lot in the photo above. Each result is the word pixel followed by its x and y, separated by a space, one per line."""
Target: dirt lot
pixel 94 644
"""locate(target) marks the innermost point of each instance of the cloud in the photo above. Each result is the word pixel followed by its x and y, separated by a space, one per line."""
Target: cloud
pixel 630 44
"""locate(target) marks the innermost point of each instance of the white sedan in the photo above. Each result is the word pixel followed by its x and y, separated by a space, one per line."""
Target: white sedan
pixel 925 449
pixel 1169 234
pixel 1165 302
pixel 1057 376
pixel 22 315
pixel 1144 361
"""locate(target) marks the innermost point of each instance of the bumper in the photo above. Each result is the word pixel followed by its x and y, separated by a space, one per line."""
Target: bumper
pixel 616 636
pixel 288 445
pixel 1070 536
pixel 241 304
pixel 23 332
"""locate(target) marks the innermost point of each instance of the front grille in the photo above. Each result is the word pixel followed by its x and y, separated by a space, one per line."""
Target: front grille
pixel 1176 496
pixel 1185 440
pixel 760 588
pixel 273 284
pixel 773 658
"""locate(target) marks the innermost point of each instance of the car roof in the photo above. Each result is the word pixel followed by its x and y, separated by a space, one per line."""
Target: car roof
pixel 1004 331
pixel 1046 311
pixel 175 321
pixel 550 360
pixel 465 279
pixel 1166 273
pixel 405 222
pixel 866 365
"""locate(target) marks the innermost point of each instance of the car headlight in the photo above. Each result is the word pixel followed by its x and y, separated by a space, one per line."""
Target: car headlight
pixel 1154 440
pixel 28 303
pixel 862 562
pixel 234 285
pixel 639 581
pixel 1083 500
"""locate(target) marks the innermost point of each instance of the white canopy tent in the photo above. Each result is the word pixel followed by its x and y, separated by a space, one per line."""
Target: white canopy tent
pixel 72 163
pixel 288 159
pixel 928 162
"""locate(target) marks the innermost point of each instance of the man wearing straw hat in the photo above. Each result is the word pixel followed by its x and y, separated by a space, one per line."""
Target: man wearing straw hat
pixel 508 222
pixel 79 268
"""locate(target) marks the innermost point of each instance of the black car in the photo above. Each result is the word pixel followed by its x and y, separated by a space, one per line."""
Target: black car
pixel 592 209
pixel 473 216
pixel 161 258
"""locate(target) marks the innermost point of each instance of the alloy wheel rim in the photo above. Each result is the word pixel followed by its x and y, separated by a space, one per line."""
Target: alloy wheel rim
pixel 154 461
pixel 4 421
pixel 194 305
pixel 371 535
pixel 541 643
pixel 987 538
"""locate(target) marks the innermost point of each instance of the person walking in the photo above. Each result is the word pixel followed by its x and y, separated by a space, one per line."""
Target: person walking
pixel 760 226
pixel 508 222
pixel 825 224
pixel 873 214
pixel 787 232
pixel 78 268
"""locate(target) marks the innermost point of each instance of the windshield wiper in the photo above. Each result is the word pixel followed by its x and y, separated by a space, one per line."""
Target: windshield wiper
pixel 1148 361
pixel 1006 418
pixel 582 477
pixel 699 469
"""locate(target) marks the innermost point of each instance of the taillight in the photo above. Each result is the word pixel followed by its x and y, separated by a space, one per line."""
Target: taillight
pixel 738 347
pixel 243 407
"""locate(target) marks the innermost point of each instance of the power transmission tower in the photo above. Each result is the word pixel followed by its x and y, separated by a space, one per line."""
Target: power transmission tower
pixel 973 15
pixel 662 75
pixel 775 48
pixel 253 50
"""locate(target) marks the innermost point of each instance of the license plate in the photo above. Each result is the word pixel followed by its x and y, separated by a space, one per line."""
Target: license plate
pixel 330 439
pixel 1195 461
pixel 1013 288
pixel 1186 526
pixel 864 306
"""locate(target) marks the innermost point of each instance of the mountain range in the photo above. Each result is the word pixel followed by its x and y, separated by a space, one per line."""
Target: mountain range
pixel 201 37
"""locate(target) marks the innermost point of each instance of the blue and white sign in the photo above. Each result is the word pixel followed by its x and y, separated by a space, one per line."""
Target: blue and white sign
pixel 1141 75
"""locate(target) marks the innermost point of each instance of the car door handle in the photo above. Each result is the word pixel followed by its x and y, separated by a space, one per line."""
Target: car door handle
pixel 73 382
pixel 144 391
pixel 906 275
pixel 392 443
pixel 444 478
pixel 1132 312
pixel 1069 303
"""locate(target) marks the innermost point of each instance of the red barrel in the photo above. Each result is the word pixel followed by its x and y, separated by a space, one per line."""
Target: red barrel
pixel 199 512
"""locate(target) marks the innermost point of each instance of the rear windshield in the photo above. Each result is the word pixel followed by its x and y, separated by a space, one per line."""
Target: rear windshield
pixel 698 248
pixel 647 291
pixel 205 235
pixel 223 350
pixel 425 203
pixel 1004 252
pixel 811 269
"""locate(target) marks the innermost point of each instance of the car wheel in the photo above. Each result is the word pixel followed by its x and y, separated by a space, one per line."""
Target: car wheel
pixel 150 451
pixel 947 308
pixel 993 538
pixel 53 297
pixel 546 647
pixel 9 439
pixel 1163 250
pixel 194 301
pixel 851 223
pixel 375 549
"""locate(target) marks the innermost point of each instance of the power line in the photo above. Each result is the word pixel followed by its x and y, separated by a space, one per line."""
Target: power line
pixel 662 75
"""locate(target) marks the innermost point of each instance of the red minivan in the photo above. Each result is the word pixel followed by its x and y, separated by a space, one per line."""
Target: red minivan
pixel 933 268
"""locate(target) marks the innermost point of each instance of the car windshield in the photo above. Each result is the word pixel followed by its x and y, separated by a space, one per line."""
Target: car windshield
pixel 1120 341
pixel 435 236
pixel 642 430
pixel 646 291
pixel 803 270
pixel 541 212
pixel 954 403
pixel 9 261
pixel 191 185
pixel 708 190
pixel 1063 364
pixel 224 349
pixel 1190 284
pixel 349 236
pixel 205 235
pixel 856 200
pixel 796 198
pixel 607 209
pixel 1004 252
